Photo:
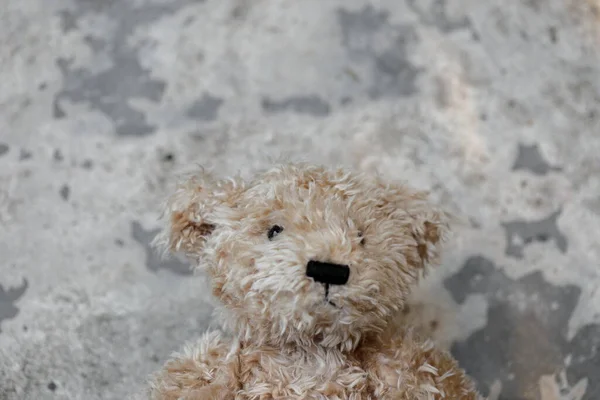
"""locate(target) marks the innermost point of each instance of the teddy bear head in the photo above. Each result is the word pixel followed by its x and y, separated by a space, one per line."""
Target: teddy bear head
pixel 304 254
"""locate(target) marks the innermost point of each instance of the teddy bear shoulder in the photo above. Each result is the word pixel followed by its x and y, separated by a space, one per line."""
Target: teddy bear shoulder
pixel 406 367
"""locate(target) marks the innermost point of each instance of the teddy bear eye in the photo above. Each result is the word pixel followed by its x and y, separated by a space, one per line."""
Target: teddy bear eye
pixel 274 231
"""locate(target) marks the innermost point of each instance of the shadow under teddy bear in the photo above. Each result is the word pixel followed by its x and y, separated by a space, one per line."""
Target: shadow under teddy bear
pixel 526 335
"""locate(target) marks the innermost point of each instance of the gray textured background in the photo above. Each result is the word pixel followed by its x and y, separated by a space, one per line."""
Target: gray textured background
pixel 493 105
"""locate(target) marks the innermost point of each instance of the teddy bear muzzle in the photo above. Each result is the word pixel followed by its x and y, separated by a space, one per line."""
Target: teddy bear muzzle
pixel 328 273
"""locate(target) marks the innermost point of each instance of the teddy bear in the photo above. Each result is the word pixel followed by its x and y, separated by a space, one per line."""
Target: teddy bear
pixel 309 266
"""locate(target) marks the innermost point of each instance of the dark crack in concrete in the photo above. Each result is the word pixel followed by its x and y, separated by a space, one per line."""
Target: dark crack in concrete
pixel 526 335
pixel 519 234
pixel 154 261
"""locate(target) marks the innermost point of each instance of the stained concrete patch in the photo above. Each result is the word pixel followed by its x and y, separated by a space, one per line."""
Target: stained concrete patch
pixel 367 30
pixel 553 34
pixel 111 90
pixel 68 21
pixel 102 334
pixel 585 349
pixel 360 24
pixel 152 336
pixel 311 105
pixel 593 204
pixel 168 157
pixel 205 108
pixel 25 155
pixel 526 335
pixel 57 155
pixel 396 75
pixel 435 15
pixel 240 11
pixel 106 355
pixel 8 298
pixel 103 341
pixel 103 92
pixel 530 159
pixel 522 233
pixel 533 4
pixel 153 260
pixel 3 149
pixel 65 192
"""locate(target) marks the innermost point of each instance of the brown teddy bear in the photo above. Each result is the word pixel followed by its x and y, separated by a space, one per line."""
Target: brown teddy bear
pixel 310 266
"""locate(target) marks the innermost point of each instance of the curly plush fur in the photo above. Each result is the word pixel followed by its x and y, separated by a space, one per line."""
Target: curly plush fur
pixel 292 337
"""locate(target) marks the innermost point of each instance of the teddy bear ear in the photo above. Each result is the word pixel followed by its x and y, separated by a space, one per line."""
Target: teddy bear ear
pixel 189 214
pixel 429 229
pixel 428 224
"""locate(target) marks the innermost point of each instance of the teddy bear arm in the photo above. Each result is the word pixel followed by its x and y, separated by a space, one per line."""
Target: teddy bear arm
pixel 412 370
pixel 201 371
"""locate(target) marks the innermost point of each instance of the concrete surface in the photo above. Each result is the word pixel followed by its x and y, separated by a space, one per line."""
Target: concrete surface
pixel 493 105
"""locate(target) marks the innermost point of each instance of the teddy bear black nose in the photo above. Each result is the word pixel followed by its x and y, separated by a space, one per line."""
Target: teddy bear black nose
pixel 331 274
